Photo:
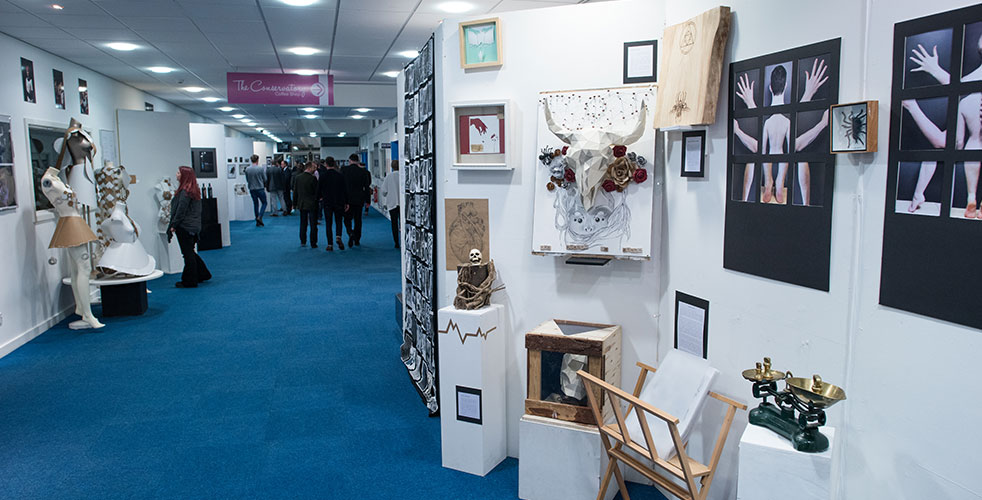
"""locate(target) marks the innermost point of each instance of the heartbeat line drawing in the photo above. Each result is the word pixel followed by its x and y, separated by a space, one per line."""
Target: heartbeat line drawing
pixel 451 325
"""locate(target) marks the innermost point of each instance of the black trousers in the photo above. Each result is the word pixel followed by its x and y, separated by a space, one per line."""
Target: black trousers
pixel 308 217
pixel 333 221
pixel 288 199
pixel 394 219
pixel 352 222
pixel 195 270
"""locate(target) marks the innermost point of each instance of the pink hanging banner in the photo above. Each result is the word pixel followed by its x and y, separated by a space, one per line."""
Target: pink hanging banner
pixel 278 88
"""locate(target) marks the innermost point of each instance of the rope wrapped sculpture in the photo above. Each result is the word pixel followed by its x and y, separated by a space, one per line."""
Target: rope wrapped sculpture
pixel 474 283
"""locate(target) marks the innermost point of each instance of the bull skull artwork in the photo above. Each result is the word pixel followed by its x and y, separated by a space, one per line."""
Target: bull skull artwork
pixel 590 150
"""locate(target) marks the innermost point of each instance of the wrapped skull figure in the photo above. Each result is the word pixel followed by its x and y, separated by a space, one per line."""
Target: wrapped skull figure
pixel 475 256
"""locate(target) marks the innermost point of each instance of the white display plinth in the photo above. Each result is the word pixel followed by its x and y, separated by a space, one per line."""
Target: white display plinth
pixel 560 460
pixel 472 361
pixel 770 468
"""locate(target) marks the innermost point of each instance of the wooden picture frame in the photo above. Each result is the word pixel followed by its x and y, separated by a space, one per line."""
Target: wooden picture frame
pixel 632 47
pixel 480 58
pixel 466 156
pixel 854 123
pixel 686 137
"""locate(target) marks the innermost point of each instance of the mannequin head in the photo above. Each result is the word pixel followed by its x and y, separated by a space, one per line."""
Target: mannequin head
pixel 188 182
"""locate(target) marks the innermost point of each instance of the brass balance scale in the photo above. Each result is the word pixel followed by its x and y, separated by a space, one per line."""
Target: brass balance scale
pixel 808 397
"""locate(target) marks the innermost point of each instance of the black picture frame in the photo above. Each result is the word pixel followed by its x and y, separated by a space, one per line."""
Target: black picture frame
pixel 703 304
pixel 474 392
pixel 761 237
pixel 148 106
pixel 701 134
pixel 654 62
pixel 204 162
pixel 925 258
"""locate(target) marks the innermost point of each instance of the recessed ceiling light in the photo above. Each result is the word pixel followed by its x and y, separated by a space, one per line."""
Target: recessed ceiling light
pixel 313 134
pixel 245 120
pixel 342 134
pixel 303 51
pixel 456 7
pixel 363 110
pixel 238 116
pixel 299 3
pixel 409 53
pixel 357 117
pixel 123 46
pixel 160 69
pixel 306 72
pixel 309 110
pixel 194 90
pixel 210 99
pixel 56 6
pixel 226 108
pixel 391 74
pixel 310 117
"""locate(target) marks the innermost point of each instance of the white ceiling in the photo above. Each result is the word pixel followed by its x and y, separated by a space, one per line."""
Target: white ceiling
pixel 204 39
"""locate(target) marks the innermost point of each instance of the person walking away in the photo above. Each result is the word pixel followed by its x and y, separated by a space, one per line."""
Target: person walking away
pixel 390 198
pixel 256 179
pixel 295 172
pixel 356 182
pixel 307 205
pixel 287 175
pixel 333 197
pixel 274 176
pixel 185 222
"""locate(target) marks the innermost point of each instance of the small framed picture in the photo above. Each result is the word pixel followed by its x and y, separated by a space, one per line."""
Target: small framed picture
pixel 480 135
pixel 231 170
pixel 469 405
pixel 694 153
pixel 480 43
pixel 854 127
pixel 641 62
pixel 691 324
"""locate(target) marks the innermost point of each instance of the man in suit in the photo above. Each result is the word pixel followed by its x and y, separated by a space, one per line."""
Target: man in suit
pixel 334 200
pixel 357 182
pixel 306 191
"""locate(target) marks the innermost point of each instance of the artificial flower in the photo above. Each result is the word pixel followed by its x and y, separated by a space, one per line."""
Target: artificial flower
pixel 570 176
pixel 565 148
pixel 620 172
pixel 608 185
pixel 620 151
pixel 640 175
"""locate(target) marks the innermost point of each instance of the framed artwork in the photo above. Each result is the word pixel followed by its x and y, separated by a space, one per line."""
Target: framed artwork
pixel 480 135
pixel 468 227
pixel 641 62
pixel 83 96
pixel 28 81
pixel 694 153
pixel 480 43
pixel 933 214
pixel 59 86
pixel 8 188
pixel 691 324
pixel 41 140
pixel 780 172
pixel 203 162
pixel 242 168
pixel 148 106
pixel 230 168
pixel 854 127
pixel 240 189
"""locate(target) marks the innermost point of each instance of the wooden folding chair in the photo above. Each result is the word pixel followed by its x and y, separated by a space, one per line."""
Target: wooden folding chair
pixel 676 462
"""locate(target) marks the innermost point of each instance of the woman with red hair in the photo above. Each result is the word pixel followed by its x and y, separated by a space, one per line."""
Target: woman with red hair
pixel 185 222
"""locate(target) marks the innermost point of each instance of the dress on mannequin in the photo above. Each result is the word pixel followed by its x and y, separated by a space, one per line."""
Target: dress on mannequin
pixel 125 256
pixel 81 175
pixel 72 233
pixel 112 181
pixel 165 193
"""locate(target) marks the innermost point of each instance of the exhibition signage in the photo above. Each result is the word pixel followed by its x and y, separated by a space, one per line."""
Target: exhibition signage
pixel 277 88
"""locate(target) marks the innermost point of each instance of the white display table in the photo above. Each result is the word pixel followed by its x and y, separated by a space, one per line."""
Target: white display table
pixel 472 388
pixel 560 460
pixel 123 296
pixel 770 468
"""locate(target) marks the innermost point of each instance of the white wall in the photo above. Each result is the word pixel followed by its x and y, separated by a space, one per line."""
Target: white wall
pixel 903 433
pixel 339 153
pixel 35 298
pixel 209 135
pixel 383 133
pixel 240 207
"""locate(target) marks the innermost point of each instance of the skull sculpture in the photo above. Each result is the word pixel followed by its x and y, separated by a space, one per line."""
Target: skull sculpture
pixel 590 151
pixel 475 256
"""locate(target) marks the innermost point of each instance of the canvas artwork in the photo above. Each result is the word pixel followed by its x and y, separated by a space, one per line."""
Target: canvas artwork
pixel 592 192
pixel 27 79
pixel 467 228
pixel 83 96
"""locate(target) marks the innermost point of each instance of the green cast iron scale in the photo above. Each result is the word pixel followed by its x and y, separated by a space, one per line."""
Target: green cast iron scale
pixel 798 411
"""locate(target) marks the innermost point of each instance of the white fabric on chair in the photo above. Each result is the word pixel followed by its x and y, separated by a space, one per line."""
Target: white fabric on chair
pixel 679 387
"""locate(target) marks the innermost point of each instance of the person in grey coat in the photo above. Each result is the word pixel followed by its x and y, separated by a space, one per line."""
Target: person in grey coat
pixel 276 185
pixel 185 222
pixel 256 178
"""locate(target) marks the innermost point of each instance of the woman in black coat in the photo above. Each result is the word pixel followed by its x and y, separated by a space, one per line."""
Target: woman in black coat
pixel 185 222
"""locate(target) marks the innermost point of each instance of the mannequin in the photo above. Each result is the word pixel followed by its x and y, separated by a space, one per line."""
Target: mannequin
pixel 164 193
pixel 72 233
pixel 125 255
pixel 80 175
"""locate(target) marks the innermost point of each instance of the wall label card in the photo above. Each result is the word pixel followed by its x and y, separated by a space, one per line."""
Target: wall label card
pixel 691 324
pixel 469 405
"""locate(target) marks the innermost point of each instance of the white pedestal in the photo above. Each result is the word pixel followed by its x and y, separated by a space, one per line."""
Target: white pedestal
pixel 770 468
pixel 560 460
pixel 472 361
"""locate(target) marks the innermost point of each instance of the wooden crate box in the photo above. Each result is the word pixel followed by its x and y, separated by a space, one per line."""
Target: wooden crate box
pixel 556 343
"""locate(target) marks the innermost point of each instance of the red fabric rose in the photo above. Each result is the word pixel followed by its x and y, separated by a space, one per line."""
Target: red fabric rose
pixel 620 151
pixel 609 185
pixel 564 149
pixel 640 175
pixel 570 175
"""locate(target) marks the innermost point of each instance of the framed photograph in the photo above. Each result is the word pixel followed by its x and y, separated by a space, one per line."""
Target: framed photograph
pixel 83 96
pixel 691 324
pixel 148 106
pixel 231 170
pixel 854 127
pixel 203 162
pixel 6 142
pixel 469 405
pixel 27 80
pixel 480 43
pixel 240 189
pixel 59 86
pixel 480 135
pixel 8 188
pixel 694 153
pixel 641 62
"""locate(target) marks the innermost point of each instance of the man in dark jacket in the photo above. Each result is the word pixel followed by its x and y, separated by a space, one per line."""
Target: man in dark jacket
pixel 306 190
pixel 334 200
pixel 287 174
pixel 357 182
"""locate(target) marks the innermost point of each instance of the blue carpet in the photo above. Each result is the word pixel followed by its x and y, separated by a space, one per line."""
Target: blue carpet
pixel 279 378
